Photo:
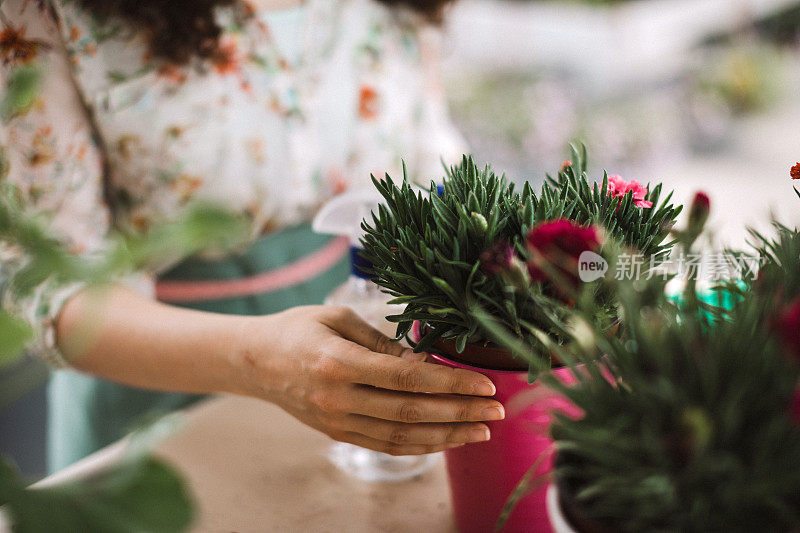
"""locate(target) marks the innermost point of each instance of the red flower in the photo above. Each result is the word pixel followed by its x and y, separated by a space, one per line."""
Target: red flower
pixel 558 244
pixel 618 188
pixel 497 258
pixel 795 172
pixel 788 326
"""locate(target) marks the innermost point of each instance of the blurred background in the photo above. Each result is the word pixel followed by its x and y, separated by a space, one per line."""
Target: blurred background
pixel 699 94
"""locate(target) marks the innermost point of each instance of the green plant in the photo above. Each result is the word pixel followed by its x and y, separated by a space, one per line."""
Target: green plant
pixel 778 280
pixel 426 249
pixel 699 429
pixel 644 230
pixel 776 288
pixel 689 420
pixel 137 493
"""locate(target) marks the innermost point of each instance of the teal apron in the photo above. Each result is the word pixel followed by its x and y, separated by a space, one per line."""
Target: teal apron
pixel 281 270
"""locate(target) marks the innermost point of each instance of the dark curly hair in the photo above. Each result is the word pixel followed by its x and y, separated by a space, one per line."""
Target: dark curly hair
pixel 179 30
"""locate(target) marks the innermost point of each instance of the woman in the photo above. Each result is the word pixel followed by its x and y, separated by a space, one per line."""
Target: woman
pixel 149 105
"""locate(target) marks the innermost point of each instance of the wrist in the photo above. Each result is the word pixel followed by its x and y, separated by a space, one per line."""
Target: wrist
pixel 252 357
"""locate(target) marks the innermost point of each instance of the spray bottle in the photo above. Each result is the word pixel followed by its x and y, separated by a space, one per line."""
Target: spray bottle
pixel 342 216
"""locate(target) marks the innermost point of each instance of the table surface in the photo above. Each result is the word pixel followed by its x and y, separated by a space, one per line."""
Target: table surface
pixel 252 467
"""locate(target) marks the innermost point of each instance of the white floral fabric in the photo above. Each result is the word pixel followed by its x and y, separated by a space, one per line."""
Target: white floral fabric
pixel 119 140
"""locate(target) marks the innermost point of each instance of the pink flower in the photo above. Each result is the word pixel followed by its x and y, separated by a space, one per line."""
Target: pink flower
pixel 497 258
pixel 618 188
pixel 559 243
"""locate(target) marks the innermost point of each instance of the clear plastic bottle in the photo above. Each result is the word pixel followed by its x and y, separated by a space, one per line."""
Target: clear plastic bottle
pixel 342 215
pixel 364 297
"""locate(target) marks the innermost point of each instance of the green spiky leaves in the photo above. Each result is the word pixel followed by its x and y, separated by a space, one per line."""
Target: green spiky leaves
pixel 644 229
pixel 698 431
pixel 426 248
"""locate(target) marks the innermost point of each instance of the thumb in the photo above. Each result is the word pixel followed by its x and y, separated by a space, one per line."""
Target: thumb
pixel 353 328
pixel 409 354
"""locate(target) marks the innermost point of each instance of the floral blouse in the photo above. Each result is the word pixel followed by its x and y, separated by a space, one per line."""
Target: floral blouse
pixel 119 139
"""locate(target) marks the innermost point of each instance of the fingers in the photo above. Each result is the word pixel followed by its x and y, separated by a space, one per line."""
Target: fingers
pixel 403 433
pixel 353 328
pixel 361 365
pixel 409 355
pixel 418 408
pixel 390 447
pixel 386 372
pixel 370 355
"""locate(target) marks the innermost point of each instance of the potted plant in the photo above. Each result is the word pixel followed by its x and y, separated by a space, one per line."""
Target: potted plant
pixel 700 430
pixel 442 255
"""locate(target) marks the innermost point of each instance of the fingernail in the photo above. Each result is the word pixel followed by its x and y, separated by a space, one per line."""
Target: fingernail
pixel 478 435
pixel 484 388
pixel 494 413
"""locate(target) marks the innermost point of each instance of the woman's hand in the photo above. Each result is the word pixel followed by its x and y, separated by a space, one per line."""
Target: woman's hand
pixel 324 365
pixel 332 371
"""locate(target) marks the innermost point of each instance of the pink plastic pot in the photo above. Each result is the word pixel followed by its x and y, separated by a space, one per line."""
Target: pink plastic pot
pixel 483 475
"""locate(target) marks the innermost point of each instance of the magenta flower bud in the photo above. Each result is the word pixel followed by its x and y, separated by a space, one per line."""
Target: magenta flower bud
pixel 498 258
pixel 698 212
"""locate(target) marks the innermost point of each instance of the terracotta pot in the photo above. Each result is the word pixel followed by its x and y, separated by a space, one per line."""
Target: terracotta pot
pixel 483 475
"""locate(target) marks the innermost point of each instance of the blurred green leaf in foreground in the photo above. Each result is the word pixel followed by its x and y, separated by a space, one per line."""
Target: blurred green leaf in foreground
pixel 139 493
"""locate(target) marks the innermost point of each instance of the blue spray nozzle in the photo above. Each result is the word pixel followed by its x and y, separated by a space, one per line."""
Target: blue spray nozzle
pixel 358 263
